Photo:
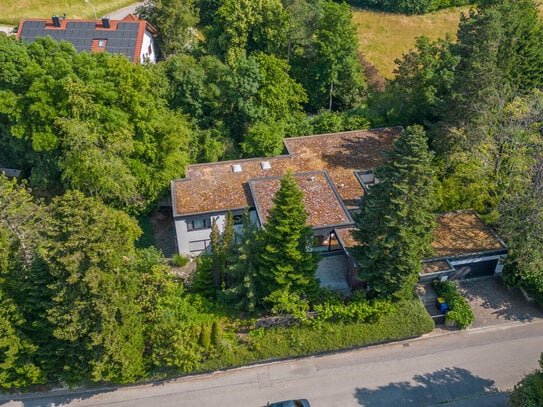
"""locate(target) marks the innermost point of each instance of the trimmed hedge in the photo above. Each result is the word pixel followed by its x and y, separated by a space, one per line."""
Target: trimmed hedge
pixel 409 320
pixel 459 309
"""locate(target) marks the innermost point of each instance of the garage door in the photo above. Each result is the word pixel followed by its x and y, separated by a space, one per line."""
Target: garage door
pixel 472 270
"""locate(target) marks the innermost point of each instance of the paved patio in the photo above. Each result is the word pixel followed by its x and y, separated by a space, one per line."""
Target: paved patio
pixel 332 273
pixel 491 301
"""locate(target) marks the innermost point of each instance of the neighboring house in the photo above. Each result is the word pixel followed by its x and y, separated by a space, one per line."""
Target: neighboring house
pixel 464 247
pixel 325 167
pixel 130 36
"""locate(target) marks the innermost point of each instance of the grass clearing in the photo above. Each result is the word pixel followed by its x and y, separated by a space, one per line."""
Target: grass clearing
pixel 11 11
pixel 384 37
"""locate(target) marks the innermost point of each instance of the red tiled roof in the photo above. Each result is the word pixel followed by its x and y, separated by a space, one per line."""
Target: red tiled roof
pixel 215 187
pixel 123 36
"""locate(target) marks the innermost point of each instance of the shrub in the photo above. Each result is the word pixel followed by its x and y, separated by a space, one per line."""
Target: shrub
pixel 407 6
pixel 459 309
pixel 179 261
pixel 529 391
pixel 408 320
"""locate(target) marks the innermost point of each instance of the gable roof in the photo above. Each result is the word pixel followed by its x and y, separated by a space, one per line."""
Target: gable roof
pixel 120 36
pixel 215 187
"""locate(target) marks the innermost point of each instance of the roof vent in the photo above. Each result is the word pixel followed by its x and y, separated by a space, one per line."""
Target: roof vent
pixel 311 178
pixel 265 165
pixel 236 168
pixel 105 22
pixel 341 186
pixel 56 21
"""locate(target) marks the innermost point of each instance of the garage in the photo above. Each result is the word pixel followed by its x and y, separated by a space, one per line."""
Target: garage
pixel 474 269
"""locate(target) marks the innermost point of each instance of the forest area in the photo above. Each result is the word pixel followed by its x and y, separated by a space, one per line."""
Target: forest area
pixel 98 141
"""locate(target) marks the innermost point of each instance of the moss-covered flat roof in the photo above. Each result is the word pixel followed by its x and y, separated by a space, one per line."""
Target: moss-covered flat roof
pixel 458 234
pixel 320 200
pixel 219 186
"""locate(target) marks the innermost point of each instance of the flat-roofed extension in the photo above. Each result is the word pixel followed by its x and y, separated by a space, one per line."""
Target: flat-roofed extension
pixel 463 233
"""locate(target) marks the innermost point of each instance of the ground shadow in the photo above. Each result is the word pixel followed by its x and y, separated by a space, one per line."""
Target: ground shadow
pixel 51 398
pixel 440 387
pixel 505 303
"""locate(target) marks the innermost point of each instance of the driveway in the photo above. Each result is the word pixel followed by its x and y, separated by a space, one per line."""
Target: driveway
pixel 491 301
pixel 121 13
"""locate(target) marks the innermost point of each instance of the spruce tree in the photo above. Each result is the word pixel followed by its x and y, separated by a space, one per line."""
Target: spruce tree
pixel 286 262
pixel 242 292
pixel 396 220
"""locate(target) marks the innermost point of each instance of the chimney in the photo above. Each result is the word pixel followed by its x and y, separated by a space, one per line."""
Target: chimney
pixel 105 22
pixel 56 21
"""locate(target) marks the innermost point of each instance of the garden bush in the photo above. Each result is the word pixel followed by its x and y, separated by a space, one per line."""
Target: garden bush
pixel 179 261
pixel 408 6
pixel 459 309
pixel 529 391
pixel 409 319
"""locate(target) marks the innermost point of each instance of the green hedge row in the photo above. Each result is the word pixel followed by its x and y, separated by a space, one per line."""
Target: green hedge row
pixel 410 319
pixel 459 309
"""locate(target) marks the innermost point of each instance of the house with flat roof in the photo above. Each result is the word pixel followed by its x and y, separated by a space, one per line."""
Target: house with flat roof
pixel 324 166
pixel 131 37
pixel 333 171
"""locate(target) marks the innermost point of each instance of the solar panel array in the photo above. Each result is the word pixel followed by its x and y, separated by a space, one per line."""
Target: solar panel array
pixel 80 34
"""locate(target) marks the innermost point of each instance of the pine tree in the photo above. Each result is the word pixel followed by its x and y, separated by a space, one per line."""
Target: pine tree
pixel 286 262
pixel 242 292
pixel 94 314
pixel 395 223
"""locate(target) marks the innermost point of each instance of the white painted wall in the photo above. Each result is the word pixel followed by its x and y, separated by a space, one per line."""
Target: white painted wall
pixel 185 236
pixel 148 42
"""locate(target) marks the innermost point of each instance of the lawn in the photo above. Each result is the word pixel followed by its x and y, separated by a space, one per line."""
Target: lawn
pixel 384 37
pixel 11 11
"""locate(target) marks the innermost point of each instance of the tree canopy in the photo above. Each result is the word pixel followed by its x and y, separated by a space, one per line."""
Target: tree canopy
pixel 396 219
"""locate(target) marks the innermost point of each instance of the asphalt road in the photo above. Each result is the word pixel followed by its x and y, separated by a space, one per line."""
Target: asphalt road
pixel 470 368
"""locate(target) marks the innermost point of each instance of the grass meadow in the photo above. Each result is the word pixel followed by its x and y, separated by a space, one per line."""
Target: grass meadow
pixel 384 37
pixel 11 11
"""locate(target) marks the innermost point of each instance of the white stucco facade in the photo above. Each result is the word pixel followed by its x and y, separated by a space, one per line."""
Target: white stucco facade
pixel 148 50
pixel 192 232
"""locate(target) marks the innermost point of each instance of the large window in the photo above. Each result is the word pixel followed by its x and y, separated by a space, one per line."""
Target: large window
pixel 198 245
pixel 199 223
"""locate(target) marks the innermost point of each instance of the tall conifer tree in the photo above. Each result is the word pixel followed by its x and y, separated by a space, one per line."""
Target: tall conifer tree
pixel 396 220
pixel 286 263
